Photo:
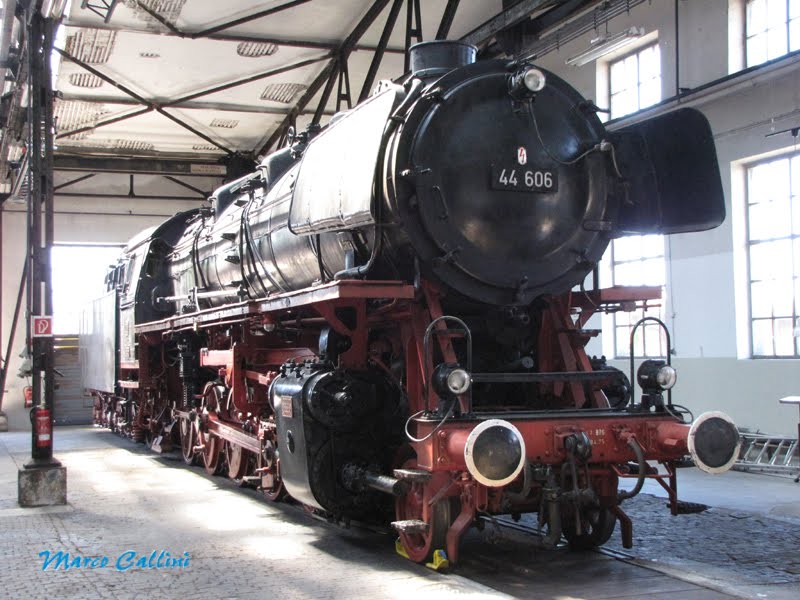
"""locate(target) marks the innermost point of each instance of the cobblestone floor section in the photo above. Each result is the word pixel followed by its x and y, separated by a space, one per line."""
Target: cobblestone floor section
pixel 749 548
pixel 124 500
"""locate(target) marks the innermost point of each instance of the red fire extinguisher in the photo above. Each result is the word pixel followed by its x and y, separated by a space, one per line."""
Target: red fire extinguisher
pixel 42 427
pixel 27 392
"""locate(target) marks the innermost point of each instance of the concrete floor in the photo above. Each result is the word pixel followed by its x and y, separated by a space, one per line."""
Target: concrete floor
pixel 123 499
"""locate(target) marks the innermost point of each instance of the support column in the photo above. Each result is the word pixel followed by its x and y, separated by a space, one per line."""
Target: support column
pixel 42 481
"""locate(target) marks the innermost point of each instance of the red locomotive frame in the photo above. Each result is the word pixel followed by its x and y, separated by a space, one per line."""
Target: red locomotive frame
pixel 441 499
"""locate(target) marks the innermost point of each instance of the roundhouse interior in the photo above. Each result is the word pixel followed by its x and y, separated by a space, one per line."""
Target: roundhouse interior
pixel 158 104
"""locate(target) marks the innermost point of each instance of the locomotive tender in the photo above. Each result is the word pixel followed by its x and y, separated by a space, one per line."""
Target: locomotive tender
pixel 389 315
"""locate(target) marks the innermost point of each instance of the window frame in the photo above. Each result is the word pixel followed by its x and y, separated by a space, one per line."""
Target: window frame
pixel 748 244
pixel 786 27
pixel 635 51
pixel 615 327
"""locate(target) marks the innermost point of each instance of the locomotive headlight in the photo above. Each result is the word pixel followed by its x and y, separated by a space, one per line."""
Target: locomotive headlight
pixel 451 380
pixel 495 452
pixel 458 381
pixel 656 375
pixel 534 79
pixel 526 82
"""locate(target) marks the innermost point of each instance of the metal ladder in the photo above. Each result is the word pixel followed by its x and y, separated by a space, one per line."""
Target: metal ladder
pixel 766 453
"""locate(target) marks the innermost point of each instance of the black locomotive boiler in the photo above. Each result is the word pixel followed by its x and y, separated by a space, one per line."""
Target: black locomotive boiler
pixel 384 319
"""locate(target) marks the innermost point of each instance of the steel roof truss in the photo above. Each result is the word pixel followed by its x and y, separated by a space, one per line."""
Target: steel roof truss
pixel 328 74
pixel 447 19
pixel 412 31
pixel 73 181
pixel 102 8
pixel 212 30
pixel 372 72
pixel 150 105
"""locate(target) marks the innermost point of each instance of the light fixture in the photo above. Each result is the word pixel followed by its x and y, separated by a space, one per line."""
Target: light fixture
pixel 605 44
pixel 53 9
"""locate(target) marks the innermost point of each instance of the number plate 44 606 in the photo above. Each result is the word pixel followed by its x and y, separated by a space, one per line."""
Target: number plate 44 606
pixel 520 179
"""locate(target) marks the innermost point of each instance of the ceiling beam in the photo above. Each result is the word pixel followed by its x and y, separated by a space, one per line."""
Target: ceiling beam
pixel 245 80
pixel 104 122
pixel 217 28
pixel 326 75
pixel 150 166
pixel 223 37
pixel 447 19
pixel 507 18
pixel 194 105
pixel 377 58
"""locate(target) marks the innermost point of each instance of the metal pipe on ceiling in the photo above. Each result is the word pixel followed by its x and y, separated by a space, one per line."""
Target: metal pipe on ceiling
pixel 580 26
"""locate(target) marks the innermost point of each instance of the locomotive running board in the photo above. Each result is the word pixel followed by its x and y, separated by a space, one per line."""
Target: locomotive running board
pixel 335 290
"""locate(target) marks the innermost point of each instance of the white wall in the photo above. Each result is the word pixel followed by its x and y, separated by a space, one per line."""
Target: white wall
pixel 101 220
pixel 706 279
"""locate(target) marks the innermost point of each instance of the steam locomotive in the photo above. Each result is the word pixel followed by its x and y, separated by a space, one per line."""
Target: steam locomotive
pixel 387 320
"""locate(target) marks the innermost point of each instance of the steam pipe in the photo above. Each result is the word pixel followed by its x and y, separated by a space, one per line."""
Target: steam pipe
pixel 385 484
pixel 637 450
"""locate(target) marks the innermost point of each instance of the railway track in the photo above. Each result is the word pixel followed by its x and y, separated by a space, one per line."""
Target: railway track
pixel 509 557
pixel 497 558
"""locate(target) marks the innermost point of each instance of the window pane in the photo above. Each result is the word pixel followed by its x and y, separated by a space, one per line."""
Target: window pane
pixel 631 65
pixel 796 257
pixel 623 104
pixel 776 13
pixel 777 44
pixel 651 245
pixel 628 273
pixel 652 340
pixel 756 16
pixel 617 77
pixel 795 175
pixel 649 63
pixel 757 49
pixel 794 35
pixel 771 260
pixel 757 179
pixel 650 93
pixel 762 337
pixel 770 220
pixel 782 297
pixel 776 183
pixel 627 248
pixel 761 299
pixel 623 341
pixel 635 247
pixel 784 337
pixel 794 8
pixel 652 272
pixel 797 297
pixel 760 223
